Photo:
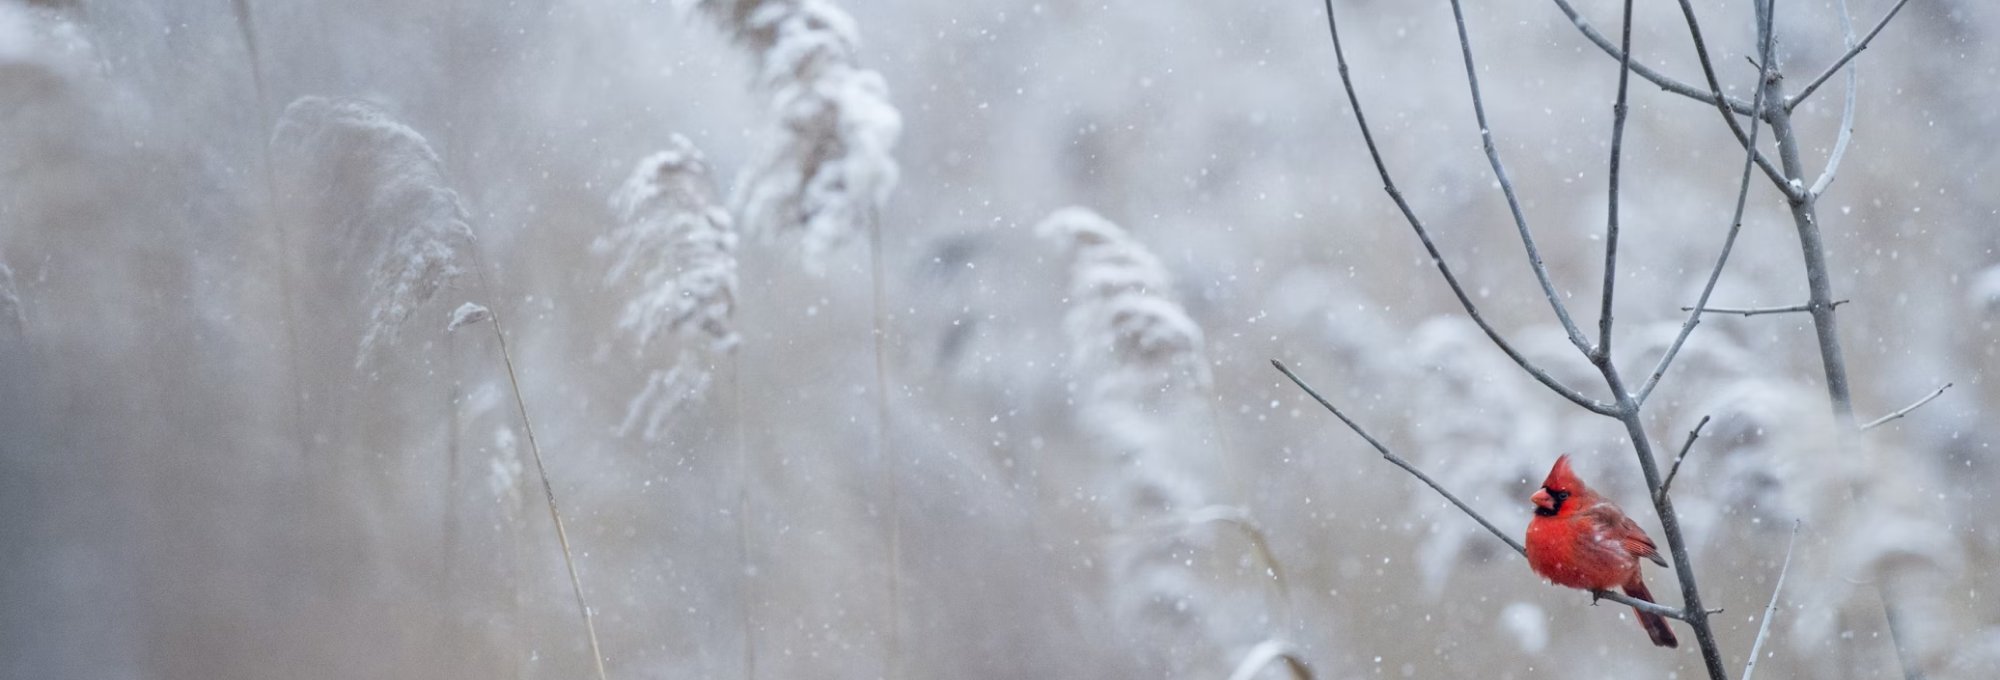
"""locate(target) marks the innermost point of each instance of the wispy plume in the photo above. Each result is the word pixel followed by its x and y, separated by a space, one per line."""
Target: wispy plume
pixel 1131 345
pixel 1138 360
pixel 826 166
pixel 678 248
pixel 377 183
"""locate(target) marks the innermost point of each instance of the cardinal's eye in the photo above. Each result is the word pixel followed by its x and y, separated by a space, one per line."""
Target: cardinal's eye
pixel 1560 496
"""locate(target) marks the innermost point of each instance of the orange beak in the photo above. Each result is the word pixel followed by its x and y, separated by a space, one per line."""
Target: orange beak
pixel 1542 500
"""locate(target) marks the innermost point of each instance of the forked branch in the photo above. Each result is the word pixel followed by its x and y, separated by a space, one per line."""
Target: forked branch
pixel 1430 247
pixel 1398 461
pixel 1796 99
pixel 1736 217
pixel 1507 186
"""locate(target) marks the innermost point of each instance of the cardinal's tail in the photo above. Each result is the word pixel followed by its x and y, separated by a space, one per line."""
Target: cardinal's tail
pixel 1655 625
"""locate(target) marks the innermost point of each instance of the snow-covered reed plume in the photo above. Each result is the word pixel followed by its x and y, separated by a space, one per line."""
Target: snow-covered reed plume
pixel 678 248
pixel 1136 352
pixel 1137 360
pixel 378 184
pixel 826 166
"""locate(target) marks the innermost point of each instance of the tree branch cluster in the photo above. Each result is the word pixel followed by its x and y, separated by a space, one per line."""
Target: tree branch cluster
pixel 1745 119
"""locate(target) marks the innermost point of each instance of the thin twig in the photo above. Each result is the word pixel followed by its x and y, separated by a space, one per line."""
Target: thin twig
pixel 542 470
pixel 1846 111
pixel 1666 82
pixel 1904 411
pixel 1714 96
pixel 1602 352
pixel 1764 629
pixel 1676 469
pixel 1736 217
pixel 1507 187
pixel 1794 101
pixel 1765 69
pixel 1398 461
pixel 1423 234
pixel 1760 311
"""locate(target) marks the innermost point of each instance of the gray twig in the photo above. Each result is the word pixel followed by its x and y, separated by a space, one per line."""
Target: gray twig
pixel 1794 101
pixel 1760 311
pixel 1398 461
pixel 1904 411
pixel 1676 469
pixel 1736 217
pixel 1602 352
pixel 1423 234
pixel 1714 96
pixel 1846 111
pixel 1764 629
pixel 1666 82
pixel 1507 186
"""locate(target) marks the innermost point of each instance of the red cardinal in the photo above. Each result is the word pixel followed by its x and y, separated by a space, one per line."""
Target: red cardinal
pixel 1580 540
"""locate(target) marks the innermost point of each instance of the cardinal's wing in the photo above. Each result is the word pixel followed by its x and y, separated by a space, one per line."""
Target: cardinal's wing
pixel 1614 527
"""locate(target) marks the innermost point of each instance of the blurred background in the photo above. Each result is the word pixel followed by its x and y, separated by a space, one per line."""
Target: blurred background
pixel 237 440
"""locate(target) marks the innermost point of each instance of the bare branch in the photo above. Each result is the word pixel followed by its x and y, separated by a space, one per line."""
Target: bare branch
pixel 1423 234
pixel 1778 177
pixel 1904 411
pixel 1666 82
pixel 1794 101
pixel 1764 629
pixel 1846 112
pixel 1398 460
pixel 1650 607
pixel 1713 97
pixel 1602 353
pixel 1760 311
pixel 1676 469
pixel 1507 186
pixel 1742 197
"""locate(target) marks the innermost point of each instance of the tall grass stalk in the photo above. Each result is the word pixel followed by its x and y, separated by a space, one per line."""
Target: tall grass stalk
pixel 246 25
pixel 680 247
pixel 542 471
pixel 380 188
pixel 823 172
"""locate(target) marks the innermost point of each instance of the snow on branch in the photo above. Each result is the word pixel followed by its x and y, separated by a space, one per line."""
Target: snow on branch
pixel 827 164
pixel 377 186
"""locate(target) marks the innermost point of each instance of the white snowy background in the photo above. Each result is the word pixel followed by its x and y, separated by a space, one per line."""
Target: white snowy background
pixel 237 439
